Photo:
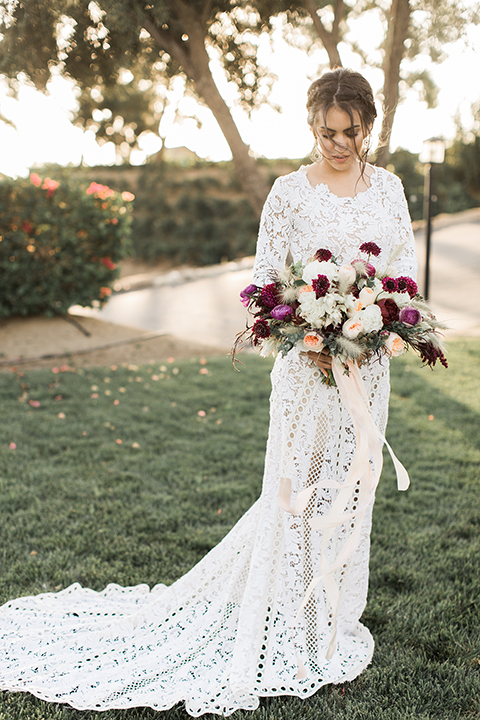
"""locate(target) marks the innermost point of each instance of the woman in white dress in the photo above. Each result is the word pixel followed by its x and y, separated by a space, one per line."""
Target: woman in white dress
pixel 240 625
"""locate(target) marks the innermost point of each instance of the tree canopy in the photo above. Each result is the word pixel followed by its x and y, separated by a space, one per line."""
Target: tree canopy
pixel 94 42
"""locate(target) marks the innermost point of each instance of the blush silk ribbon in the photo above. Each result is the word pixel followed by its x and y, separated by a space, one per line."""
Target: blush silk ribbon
pixel 363 474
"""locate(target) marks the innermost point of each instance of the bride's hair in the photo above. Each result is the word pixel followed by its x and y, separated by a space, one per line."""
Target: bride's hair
pixel 347 90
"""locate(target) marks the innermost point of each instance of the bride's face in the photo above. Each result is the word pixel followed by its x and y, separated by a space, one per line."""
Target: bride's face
pixel 340 142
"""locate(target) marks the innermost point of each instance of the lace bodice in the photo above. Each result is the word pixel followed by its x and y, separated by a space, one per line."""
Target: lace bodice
pixel 300 218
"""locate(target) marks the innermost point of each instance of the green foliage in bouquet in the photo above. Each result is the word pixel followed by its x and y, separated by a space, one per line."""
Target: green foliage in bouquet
pixel 59 244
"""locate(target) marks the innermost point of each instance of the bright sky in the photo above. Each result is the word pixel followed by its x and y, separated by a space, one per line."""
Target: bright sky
pixel 44 133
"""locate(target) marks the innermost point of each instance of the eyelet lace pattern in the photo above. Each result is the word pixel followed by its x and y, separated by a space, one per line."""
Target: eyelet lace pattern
pixel 225 634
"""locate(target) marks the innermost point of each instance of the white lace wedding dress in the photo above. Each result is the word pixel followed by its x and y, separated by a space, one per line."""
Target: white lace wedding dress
pixel 226 633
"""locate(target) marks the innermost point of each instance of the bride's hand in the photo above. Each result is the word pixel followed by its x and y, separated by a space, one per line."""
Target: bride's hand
pixel 322 360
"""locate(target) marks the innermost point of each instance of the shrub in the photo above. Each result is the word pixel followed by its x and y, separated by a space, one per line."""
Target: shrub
pixel 59 244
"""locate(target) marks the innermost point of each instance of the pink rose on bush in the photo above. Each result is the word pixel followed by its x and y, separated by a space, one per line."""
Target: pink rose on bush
pixel 35 180
pixel 50 186
pixel 108 263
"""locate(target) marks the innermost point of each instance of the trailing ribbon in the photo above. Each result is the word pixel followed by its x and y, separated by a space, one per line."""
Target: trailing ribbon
pixel 363 474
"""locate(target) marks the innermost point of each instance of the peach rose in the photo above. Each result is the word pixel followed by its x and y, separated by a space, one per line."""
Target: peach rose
pixel 367 296
pixel 305 288
pixel 313 341
pixel 352 328
pixel 394 345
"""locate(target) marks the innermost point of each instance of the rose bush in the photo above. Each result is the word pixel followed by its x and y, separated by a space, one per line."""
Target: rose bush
pixel 59 244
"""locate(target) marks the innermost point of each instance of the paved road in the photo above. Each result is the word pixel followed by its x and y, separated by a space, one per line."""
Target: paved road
pixel 202 305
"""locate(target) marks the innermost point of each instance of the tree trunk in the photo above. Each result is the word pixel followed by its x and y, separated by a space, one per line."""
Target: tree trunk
pixel 398 26
pixel 330 39
pixel 194 60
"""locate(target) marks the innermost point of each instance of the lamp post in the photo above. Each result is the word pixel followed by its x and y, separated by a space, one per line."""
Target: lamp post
pixel 433 153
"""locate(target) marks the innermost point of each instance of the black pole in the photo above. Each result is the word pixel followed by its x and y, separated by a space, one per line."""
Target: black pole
pixel 427 214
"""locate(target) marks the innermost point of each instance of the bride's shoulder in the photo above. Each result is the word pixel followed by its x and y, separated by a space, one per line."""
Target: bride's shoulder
pixel 291 179
pixel 383 178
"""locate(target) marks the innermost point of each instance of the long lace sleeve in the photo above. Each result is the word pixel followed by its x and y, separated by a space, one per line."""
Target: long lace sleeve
pixel 406 261
pixel 274 234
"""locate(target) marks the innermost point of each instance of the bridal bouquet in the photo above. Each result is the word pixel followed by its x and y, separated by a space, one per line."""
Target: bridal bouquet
pixel 353 310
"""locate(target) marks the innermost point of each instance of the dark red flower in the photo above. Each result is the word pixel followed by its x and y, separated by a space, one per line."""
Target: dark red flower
pixel 269 297
pixel 430 354
pixel 370 270
pixel 323 255
pixel 261 330
pixel 371 248
pixel 320 284
pixel 389 310
pixel 406 284
pixel 389 284
pixel 27 227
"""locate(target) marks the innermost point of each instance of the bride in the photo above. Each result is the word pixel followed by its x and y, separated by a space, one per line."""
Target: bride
pixel 256 617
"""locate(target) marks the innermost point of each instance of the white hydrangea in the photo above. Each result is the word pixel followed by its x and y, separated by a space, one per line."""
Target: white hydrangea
pixel 371 317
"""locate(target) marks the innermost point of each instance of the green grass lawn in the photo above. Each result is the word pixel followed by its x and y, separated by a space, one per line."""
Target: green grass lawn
pixel 131 475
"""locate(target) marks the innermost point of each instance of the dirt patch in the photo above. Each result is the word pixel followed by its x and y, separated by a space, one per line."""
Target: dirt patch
pixel 40 342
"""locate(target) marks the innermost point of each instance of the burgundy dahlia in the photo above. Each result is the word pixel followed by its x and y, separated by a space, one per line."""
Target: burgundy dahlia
pixel 371 248
pixel 323 255
pixel 281 312
pixel 406 284
pixel 268 296
pixel 409 316
pixel 261 330
pixel 321 285
pixel 389 310
pixel 389 284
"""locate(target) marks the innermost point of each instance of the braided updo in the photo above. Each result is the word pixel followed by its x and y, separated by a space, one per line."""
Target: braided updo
pixel 347 90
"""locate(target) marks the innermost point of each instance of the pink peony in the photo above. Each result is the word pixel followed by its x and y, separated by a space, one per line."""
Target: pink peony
pixel 409 316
